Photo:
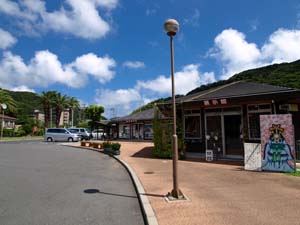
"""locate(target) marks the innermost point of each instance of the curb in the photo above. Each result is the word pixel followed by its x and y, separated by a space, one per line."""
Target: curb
pixel 147 211
pixel 149 215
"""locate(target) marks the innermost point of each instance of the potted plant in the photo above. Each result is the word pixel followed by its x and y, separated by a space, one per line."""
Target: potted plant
pixel 116 148
pixel 107 146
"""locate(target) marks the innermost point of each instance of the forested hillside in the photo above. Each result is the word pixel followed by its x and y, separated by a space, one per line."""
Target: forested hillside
pixel 284 74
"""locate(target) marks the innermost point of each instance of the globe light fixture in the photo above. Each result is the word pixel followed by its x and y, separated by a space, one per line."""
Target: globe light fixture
pixel 3 107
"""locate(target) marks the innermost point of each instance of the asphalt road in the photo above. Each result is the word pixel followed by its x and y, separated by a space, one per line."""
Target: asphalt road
pixel 50 184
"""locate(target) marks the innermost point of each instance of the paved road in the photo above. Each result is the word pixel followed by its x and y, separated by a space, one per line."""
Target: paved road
pixel 51 184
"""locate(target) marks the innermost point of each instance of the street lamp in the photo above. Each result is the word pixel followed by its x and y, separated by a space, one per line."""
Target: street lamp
pixel 171 27
pixel 3 106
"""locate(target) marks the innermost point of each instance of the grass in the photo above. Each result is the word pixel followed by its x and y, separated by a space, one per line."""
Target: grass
pixel 24 138
pixel 294 174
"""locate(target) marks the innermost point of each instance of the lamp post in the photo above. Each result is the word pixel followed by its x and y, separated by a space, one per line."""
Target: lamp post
pixel 171 27
pixel 3 106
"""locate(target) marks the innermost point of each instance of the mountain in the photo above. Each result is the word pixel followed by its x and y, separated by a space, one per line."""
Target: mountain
pixel 27 102
pixel 284 74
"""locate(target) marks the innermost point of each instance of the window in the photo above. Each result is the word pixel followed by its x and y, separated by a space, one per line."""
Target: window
pixel 254 111
pixel 192 127
pixel 148 131
pixel 124 131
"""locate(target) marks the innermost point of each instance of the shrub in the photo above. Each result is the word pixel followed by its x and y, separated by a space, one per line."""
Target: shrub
pixel 8 132
pixel 20 132
pixel 115 146
pixel 162 130
pixel 107 144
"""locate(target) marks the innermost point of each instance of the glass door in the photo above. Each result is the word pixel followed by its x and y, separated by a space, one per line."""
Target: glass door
pixel 213 134
pixel 232 128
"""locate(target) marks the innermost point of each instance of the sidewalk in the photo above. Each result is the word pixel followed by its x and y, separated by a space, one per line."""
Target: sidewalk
pixel 220 194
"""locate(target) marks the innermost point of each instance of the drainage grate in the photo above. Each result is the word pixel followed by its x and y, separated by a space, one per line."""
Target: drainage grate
pixel 149 172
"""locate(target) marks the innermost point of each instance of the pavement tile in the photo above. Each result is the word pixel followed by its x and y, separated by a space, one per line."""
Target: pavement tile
pixel 220 194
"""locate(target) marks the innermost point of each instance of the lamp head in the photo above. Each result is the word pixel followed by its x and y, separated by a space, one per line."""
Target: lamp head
pixel 3 106
pixel 171 27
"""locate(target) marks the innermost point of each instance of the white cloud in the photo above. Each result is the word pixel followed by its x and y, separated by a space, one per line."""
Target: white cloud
pixel 79 18
pixel 6 39
pixel 185 80
pixel 236 54
pixel 45 69
pixel 98 67
pixel 23 88
pixel 193 19
pixel 134 64
pixel 122 100
pixel 150 12
pixel 282 46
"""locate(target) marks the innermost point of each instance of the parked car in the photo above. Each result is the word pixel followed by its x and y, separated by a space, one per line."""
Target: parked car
pixel 60 134
pixel 99 134
pixel 84 133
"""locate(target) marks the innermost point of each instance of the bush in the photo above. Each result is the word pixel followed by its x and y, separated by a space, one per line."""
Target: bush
pixel 20 132
pixel 115 146
pixel 162 130
pixel 106 144
pixel 8 132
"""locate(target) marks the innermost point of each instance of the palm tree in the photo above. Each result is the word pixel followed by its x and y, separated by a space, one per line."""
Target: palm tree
pixel 8 100
pixel 73 103
pixel 47 101
pixel 60 102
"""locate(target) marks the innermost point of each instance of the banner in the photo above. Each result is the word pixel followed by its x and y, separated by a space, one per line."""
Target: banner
pixel 277 142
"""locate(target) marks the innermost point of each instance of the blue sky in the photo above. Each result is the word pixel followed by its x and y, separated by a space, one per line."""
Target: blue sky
pixel 115 53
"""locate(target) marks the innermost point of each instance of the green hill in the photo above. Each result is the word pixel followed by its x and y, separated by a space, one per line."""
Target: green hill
pixel 284 74
pixel 27 102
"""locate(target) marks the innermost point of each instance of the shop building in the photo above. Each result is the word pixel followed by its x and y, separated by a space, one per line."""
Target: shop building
pixel 225 117
pixel 137 126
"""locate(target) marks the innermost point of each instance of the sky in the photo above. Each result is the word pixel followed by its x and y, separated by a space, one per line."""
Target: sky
pixel 115 53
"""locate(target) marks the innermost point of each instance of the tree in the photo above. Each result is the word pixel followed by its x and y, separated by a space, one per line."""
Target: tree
pixel 8 100
pixel 93 113
pixel 73 103
pixel 47 99
pixel 60 102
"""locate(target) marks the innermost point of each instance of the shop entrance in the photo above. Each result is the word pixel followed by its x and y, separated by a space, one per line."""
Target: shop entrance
pixel 222 131
pixel 232 129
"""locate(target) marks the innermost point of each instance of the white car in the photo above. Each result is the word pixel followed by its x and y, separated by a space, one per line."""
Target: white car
pixel 99 134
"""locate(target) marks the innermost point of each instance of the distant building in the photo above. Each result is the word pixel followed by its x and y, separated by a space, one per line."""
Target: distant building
pixel 64 118
pixel 134 126
pixel 37 115
pixel 8 121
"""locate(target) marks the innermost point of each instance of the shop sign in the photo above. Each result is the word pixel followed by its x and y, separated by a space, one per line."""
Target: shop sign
pixel 131 121
pixel 215 102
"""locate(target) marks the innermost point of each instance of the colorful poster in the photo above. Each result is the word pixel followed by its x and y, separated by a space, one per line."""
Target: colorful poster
pixel 277 142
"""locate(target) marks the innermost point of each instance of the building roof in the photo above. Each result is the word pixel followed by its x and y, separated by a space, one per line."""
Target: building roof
pixel 7 118
pixel 143 115
pixel 234 90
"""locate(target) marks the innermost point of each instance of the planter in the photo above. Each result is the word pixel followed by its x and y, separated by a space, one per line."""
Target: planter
pixel 85 144
pixel 107 150
pixel 97 145
pixel 111 151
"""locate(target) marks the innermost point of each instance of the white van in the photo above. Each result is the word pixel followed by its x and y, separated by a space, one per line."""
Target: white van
pixel 60 134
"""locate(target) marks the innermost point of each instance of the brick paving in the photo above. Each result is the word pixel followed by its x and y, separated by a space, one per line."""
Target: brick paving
pixel 220 194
